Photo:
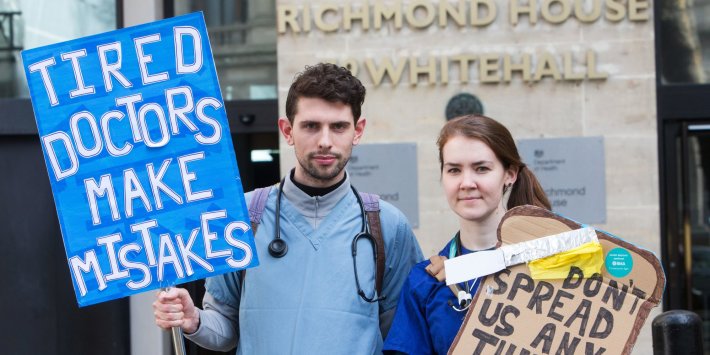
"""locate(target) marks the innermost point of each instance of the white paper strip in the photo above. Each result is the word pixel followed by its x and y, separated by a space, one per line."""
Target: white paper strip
pixel 482 263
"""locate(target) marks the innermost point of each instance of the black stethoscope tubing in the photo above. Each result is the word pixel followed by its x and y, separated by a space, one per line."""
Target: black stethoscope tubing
pixel 278 247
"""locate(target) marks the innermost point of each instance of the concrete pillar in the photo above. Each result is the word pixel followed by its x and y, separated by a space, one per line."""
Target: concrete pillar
pixel 146 337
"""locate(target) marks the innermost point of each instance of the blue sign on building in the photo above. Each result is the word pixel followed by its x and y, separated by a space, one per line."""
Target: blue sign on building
pixel 140 159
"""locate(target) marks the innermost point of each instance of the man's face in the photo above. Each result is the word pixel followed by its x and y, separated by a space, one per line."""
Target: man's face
pixel 323 135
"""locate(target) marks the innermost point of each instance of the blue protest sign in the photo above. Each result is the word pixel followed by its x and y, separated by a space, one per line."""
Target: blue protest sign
pixel 140 159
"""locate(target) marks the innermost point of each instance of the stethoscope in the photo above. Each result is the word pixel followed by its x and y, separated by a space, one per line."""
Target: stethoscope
pixel 278 247
pixel 463 295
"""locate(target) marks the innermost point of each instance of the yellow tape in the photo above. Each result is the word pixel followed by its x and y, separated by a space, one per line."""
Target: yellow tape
pixel 589 257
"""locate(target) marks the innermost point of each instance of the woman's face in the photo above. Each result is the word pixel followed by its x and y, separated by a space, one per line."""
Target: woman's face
pixel 473 179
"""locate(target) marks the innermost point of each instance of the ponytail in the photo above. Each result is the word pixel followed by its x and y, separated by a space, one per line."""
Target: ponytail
pixel 527 191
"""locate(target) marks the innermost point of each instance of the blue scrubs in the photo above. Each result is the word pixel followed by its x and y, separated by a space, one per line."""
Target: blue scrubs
pixel 307 302
pixel 424 323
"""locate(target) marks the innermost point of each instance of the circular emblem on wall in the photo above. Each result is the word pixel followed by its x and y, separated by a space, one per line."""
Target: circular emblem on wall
pixel 463 104
pixel 618 262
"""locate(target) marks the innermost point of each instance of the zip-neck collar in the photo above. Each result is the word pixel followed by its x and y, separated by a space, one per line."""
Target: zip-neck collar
pixel 315 208
pixel 315 191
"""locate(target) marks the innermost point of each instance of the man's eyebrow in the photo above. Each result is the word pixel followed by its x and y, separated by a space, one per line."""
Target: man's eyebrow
pixel 343 122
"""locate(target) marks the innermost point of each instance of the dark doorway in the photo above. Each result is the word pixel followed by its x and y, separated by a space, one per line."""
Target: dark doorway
pixel 38 303
pixel 687 162
pixel 682 91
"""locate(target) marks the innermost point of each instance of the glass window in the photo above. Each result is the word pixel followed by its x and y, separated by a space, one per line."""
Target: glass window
pixel 697 224
pixel 26 24
pixel 685 41
pixel 243 38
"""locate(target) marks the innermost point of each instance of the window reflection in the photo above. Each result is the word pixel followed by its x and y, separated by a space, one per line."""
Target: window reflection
pixel 685 41
pixel 243 38
pixel 26 24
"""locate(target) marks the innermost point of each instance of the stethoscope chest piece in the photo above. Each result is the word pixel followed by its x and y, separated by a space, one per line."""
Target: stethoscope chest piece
pixel 278 248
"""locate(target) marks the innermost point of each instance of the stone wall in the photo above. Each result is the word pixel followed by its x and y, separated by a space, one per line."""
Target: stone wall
pixel 587 75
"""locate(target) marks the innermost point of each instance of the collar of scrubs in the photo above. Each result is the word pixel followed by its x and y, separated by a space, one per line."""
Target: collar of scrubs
pixel 315 208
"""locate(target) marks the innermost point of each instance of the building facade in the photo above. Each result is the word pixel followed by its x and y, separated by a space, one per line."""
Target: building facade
pixel 632 74
pixel 545 69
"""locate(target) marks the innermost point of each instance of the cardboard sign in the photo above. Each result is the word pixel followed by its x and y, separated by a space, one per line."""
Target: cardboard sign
pixel 140 159
pixel 513 314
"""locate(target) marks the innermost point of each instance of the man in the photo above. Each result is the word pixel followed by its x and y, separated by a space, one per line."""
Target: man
pixel 308 301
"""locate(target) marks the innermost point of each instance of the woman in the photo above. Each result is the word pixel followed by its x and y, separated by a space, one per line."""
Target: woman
pixel 482 176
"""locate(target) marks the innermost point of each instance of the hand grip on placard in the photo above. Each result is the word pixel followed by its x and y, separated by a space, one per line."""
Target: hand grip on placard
pixel 178 340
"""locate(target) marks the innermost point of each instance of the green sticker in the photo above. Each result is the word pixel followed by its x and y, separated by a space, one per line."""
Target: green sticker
pixel 619 262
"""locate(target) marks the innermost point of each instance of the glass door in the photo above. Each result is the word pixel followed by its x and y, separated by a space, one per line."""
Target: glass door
pixel 687 162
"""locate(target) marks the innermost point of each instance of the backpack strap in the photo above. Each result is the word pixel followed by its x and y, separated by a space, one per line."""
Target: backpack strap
pixel 256 211
pixel 257 205
pixel 371 202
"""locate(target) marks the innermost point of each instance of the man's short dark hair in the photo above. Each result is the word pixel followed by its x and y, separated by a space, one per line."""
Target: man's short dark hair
pixel 329 82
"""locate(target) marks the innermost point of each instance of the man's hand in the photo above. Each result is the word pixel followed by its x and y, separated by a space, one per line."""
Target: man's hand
pixel 174 308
